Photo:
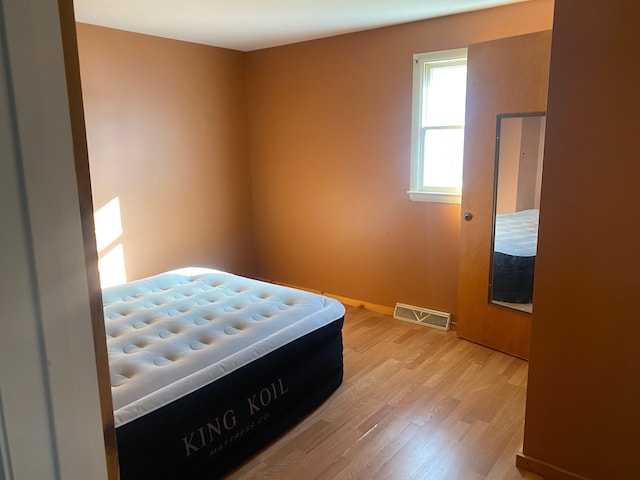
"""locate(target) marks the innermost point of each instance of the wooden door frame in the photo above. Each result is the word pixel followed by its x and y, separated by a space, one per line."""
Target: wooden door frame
pixel 85 200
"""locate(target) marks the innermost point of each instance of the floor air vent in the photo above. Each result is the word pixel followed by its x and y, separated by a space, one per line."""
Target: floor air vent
pixel 422 316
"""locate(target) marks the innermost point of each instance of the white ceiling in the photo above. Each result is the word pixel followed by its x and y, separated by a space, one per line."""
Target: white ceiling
pixel 253 24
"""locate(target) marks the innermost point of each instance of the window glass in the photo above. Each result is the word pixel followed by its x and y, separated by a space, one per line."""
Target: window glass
pixel 446 95
pixel 442 158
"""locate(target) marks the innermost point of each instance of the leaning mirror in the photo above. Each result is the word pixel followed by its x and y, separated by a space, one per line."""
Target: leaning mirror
pixel 518 177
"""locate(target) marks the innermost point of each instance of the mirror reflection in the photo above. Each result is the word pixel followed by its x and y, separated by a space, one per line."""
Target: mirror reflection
pixel 519 151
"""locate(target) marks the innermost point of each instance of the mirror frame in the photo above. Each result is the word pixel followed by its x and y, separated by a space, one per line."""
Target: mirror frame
pixel 499 119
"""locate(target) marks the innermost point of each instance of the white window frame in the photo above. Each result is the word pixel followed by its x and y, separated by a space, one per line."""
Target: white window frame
pixel 417 191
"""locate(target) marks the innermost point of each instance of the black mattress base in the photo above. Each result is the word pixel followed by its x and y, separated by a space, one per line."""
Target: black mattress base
pixel 212 430
pixel 512 278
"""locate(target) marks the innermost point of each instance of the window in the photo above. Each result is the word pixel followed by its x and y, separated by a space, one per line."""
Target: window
pixel 437 137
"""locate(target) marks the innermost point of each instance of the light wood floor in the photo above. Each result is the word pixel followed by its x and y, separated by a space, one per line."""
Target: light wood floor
pixel 416 403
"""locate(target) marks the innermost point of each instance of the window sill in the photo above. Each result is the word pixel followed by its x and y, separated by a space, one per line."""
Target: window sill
pixel 434 197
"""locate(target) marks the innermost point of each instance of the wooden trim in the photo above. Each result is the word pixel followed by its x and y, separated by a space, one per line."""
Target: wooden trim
pixel 362 304
pixel 546 470
pixel 352 302
pixel 81 160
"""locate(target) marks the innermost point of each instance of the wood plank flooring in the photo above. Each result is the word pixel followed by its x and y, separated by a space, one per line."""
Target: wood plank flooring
pixel 416 403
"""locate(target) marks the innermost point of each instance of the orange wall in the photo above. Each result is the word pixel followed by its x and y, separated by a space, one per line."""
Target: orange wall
pixel 329 139
pixel 530 159
pixel 584 375
pixel 166 126
pixel 509 163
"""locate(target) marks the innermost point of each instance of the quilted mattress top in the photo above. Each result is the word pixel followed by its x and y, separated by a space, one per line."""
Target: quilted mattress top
pixel 517 233
pixel 170 334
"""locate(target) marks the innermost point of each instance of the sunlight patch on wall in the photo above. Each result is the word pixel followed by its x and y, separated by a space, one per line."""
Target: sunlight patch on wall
pixel 108 224
pixel 111 267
